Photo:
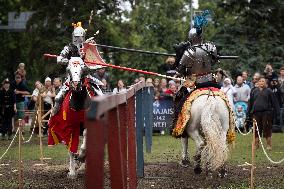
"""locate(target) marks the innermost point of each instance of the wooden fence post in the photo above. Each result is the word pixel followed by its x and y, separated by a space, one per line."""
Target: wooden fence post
pixel 252 155
pixel 95 153
pixel 20 179
pixel 132 173
pixel 139 132
pixel 148 116
pixel 39 128
pixel 123 138
pixel 114 151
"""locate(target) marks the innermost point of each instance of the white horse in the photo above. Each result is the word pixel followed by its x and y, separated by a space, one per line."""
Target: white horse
pixel 81 93
pixel 208 127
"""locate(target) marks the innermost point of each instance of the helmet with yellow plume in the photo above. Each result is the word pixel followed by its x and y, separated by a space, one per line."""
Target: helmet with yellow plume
pixel 78 35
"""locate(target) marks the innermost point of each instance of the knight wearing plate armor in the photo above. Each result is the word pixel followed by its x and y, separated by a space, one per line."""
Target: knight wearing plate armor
pixel 74 49
pixel 194 61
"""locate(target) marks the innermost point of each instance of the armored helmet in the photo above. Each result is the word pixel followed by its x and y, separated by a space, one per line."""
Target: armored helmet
pixel 78 35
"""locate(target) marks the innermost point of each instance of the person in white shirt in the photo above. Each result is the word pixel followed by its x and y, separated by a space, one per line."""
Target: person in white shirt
pixel 120 88
pixel 229 90
pixel 243 91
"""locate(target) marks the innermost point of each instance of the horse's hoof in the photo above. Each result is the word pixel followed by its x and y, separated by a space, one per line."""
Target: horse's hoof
pixel 71 175
pixel 82 168
pixel 222 173
pixel 197 170
pixel 185 163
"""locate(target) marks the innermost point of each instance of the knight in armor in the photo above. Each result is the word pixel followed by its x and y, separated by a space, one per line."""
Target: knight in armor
pixel 194 61
pixel 74 49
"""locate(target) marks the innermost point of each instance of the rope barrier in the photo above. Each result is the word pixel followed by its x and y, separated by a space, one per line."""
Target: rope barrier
pixel 9 145
pixel 244 134
pixel 264 151
pixel 27 141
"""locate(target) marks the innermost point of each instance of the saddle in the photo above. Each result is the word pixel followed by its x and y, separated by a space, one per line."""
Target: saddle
pixel 182 108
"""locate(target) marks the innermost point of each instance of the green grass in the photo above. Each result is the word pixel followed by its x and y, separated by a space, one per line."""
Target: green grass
pixel 168 149
pixel 164 149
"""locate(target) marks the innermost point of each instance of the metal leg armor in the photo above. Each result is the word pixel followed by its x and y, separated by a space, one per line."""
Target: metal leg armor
pixel 60 97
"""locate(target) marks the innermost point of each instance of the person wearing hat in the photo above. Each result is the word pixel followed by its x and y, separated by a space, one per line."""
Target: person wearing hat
pixel 7 108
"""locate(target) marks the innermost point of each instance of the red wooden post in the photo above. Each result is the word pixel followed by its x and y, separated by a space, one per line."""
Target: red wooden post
pixel 132 173
pixel 114 151
pixel 123 138
pixel 95 154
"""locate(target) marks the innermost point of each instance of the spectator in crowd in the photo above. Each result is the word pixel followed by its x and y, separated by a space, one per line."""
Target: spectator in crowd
pixel 142 78
pixel 221 75
pixel 281 75
pixel 229 90
pixel 149 82
pixel 21 70
pixel 57 83
pixel 39 89
pixel 169 67
pixel 269 74
pixel 171 82
pixel 163 87
pixel 102 74
pixel 157 88
pixel 262 106
pixel 156 83
pixel 177 84
pixel 47 95
pixel 136 80
pixel 170 92
pixel 242 91
pixel 245 78
pixel 37 92
pixel 20 89
pixel 105 89
pixel 7 108
pixel 275 87
pixel 120 87
pixel 281 84
pixel 255 79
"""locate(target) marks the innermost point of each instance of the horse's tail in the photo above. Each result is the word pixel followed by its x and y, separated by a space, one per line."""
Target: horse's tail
pixel 214 154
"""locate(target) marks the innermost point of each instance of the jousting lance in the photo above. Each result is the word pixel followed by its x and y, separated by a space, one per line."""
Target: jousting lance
pixel 91 64
pixel 153 53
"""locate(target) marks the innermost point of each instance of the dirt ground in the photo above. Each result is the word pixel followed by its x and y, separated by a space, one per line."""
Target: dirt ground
pixel 158 176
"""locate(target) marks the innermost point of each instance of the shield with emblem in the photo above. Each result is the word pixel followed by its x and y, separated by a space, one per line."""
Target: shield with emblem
pixel 92 55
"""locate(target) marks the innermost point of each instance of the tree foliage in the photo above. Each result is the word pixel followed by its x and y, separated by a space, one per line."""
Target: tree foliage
pixel 251 29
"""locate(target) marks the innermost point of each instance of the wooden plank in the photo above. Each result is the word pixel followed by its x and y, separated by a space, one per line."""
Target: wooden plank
pixel 148 115
pixel 123 138
pixel 101 104
pixel 95 154
pixel 132 174
pixel 114 152
pixel 139 133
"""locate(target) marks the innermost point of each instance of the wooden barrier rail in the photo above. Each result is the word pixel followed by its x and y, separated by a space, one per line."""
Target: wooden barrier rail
pixel 111 122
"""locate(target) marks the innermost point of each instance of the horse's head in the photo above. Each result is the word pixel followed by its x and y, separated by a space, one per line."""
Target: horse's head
pixel 75 69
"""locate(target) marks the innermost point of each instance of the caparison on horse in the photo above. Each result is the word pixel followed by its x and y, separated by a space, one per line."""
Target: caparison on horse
pixel 202 111
pixel 73 99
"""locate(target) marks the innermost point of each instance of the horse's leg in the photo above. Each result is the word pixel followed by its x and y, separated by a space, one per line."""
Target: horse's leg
pixel 72 166
pixel 199 143
pixel 222 172
pixel 82 153
pixel 185 160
